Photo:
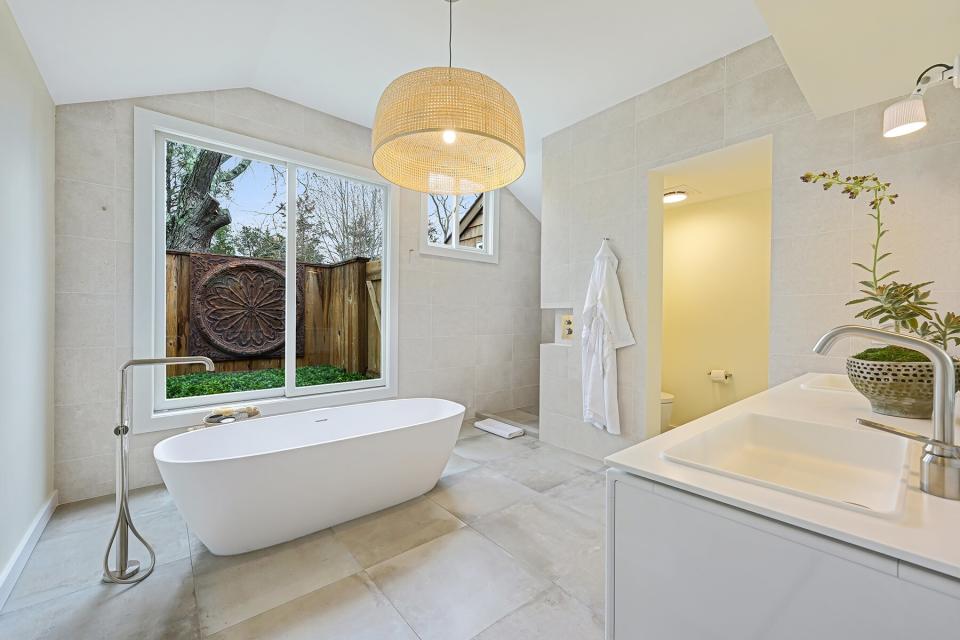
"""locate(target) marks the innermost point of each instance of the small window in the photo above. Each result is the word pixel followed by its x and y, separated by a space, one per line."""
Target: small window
pixel 463 226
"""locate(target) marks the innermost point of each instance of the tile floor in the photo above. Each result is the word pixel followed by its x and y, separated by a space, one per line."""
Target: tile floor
pixel 508 545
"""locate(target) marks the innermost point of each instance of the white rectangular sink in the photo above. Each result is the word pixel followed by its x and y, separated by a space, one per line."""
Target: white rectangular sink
pixel 829 382
pixel 851 468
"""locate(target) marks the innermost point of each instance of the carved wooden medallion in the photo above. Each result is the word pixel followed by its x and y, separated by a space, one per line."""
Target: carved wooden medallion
pixel 237 307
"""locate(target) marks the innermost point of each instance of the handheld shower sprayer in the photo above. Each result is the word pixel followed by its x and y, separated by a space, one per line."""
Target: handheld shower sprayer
pixel 128 571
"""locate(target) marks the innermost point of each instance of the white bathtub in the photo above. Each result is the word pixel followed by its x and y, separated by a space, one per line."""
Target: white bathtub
pixel 256 483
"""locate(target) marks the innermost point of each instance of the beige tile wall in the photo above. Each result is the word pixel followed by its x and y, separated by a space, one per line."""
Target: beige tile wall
pixel 595 184
pixel 469 331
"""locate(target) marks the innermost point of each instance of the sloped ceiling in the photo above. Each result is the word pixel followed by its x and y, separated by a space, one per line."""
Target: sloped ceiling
pixel 863 51
pixel 562 59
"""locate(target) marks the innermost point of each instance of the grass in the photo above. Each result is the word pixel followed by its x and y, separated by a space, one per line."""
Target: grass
pixel 205 384
pixel 891 354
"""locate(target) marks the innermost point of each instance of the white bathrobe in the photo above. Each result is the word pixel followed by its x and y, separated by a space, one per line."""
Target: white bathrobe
pixel 605 329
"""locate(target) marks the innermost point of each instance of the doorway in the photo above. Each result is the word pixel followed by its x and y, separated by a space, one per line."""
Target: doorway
pixel 713 222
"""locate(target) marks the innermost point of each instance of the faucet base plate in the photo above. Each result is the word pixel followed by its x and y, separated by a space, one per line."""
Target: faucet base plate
pixel 133 567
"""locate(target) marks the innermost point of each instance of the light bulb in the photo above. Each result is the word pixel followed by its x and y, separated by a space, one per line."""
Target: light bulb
pixel 449 136
pixel 673 197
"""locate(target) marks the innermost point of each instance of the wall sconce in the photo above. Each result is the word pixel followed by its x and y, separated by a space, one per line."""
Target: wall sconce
pixel 908 115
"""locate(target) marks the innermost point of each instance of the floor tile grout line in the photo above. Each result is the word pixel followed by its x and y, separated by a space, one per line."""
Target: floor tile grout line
pixel 532 569
pixel 522 563
pixel 193 577
pixel 466 525
pixel 393 605
pixel 310 593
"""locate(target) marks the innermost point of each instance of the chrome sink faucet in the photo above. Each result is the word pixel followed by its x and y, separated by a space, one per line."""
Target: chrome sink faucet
pixel 940 464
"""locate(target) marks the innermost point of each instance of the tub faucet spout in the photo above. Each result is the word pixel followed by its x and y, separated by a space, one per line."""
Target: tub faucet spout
pixel 128 571
pixel 940 464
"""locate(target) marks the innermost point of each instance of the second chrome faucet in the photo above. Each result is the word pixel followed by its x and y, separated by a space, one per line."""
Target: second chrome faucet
pixel 940 464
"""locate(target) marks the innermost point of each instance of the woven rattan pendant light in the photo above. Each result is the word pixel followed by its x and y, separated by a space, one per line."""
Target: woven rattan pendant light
pixel 448 130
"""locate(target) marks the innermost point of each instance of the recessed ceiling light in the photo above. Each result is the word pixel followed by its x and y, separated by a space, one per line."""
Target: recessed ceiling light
pixel 675 196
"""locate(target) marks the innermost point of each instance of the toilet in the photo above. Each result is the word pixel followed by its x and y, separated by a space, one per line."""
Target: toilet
pixel 666 408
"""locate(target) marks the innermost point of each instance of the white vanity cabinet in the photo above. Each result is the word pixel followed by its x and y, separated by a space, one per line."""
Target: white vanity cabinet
pixel 683 567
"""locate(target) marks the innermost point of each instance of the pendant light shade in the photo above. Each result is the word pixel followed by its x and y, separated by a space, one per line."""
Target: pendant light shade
pixel 448 130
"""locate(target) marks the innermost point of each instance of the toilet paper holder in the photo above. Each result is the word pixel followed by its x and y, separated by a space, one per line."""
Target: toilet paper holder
pixel 726 376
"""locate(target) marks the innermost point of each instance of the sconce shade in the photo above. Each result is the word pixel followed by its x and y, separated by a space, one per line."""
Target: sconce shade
pixel 904 116
pixel 448 130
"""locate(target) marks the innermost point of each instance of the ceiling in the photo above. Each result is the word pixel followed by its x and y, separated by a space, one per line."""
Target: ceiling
pixel 867 51
pixel 740 168
pixel 562 59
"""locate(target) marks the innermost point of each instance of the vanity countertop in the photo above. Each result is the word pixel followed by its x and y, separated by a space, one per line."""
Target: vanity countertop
pixel 925 533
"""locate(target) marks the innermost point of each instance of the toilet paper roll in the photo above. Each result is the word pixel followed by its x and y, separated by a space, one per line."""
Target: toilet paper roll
pixel 718 375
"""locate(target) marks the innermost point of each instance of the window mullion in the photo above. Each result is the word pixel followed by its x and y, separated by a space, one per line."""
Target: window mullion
pixel 488 214
pixel 290 286
pixel 455 223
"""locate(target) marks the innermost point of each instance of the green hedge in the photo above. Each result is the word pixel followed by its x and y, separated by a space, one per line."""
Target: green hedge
pixel 204 384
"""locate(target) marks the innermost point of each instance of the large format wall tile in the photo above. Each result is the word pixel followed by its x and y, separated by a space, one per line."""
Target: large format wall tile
pixel 679 91
pixel 761 100
pixel 749 61
pixel 606 122
pixel 689 126
pixel 812 264
pixel 604 154
pixel 85 209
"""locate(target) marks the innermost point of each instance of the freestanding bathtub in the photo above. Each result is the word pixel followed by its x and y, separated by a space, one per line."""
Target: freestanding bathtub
pixel 256 483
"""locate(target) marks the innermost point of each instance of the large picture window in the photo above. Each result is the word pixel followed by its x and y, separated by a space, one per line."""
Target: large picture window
pixel 272 262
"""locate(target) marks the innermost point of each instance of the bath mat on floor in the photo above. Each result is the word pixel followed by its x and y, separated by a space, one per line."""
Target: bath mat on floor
pixel 498 428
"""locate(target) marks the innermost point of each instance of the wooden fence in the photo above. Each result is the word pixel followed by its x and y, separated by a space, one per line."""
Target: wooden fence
pixel 341 316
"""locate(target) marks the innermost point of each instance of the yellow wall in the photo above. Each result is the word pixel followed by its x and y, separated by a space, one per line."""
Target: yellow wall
pixel 716 301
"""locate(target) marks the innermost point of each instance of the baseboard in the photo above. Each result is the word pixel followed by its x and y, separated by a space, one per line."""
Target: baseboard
pixel 11 572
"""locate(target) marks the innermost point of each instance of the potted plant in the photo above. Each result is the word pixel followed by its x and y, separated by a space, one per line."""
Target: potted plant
pixel 896 381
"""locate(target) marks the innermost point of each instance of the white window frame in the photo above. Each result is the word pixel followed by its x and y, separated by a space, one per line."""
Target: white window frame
pixel 491 233
pixel 151 410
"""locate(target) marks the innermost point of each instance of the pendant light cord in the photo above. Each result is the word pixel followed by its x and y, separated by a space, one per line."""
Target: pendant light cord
pixel 450 37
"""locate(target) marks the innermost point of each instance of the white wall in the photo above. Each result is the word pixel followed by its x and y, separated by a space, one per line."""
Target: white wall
pixel 468 331
pixel 26 262
pixel 596 184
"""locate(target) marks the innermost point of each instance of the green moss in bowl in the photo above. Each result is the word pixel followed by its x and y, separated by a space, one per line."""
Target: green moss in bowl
pixel 891 354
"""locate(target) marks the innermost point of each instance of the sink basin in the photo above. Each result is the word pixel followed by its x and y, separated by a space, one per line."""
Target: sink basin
pixel 850 468
pixel 829 382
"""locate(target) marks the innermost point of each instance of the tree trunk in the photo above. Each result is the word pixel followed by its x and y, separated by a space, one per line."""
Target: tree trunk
pixel 199 213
